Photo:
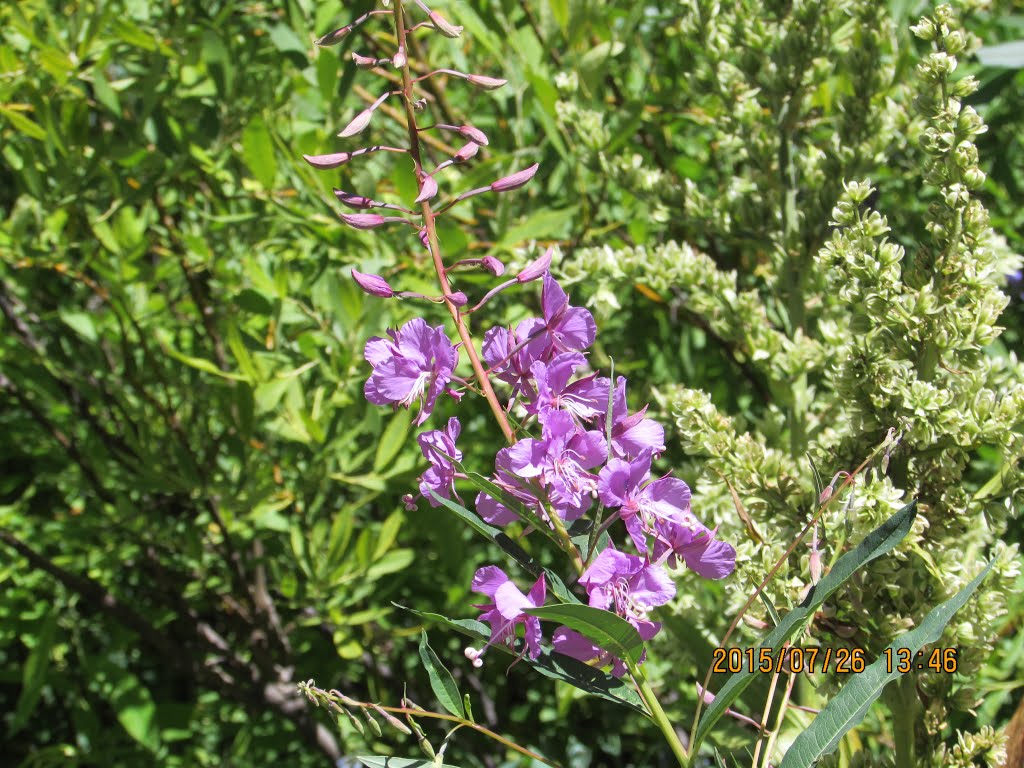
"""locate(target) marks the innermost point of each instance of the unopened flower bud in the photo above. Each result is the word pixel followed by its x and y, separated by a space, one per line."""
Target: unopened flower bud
pixel 428 188
pixel 424 238
pixel 493 265
pixel 473 134
pixel 486 83
pixel 516 180
pixel 363 220
pixel 536 268
pixel 363 61
pixel 358 202
pixel 358 123
pixel 466 152
pixel 442 25
pixel 400 59
pixel 335 37
pixel 326 162
pixel 814 565
pixel 458 299
pixel 375 285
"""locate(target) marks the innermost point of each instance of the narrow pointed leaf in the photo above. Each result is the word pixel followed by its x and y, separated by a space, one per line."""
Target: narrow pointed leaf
pixel 552 665
pixel 379 761
pixel 877 543
pixel 850 705
pixel 509 547
pixel 608 630
pixel 441 681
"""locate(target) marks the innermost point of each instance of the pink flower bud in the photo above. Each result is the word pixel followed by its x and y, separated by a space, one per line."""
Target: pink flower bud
pixel 428 188
pixel 458 299
pixel 358 123
pixel 536 268
pixel 363 220
pixel 353 201
pixel 326 162
pixel 335 37
pixel 400 59
pixel 815 566
pixel 486 83
pixel 442 25
pixel 516 180
pixel 375 285
pixel 473 134
pixel 424 238
pixel 363 61
pixel 493 265
pixel 467 151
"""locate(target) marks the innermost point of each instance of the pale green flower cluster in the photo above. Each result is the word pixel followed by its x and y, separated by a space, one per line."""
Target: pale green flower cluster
pixel 856 339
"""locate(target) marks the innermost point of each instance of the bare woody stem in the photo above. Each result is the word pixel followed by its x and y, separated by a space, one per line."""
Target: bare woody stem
pixel 432 240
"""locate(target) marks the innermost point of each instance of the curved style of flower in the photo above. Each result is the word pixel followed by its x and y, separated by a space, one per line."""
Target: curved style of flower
pixel 506 611
pixel 414 365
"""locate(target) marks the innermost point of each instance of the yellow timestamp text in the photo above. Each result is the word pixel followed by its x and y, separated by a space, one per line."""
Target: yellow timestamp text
pixel 904 660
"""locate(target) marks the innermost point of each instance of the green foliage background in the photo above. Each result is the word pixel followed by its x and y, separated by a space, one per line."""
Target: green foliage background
pixel 198 508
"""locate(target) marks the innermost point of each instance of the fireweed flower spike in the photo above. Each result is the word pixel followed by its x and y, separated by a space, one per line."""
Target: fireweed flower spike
pixel 414 365
pixel 506 611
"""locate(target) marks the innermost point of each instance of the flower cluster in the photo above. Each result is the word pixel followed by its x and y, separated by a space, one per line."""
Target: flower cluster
pixel 590 449
pixel 577 447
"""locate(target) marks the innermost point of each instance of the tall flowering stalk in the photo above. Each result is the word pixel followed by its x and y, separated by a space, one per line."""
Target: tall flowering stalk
pixel 576 453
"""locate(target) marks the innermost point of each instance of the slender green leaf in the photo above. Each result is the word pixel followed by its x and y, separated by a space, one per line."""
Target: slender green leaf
pixel 258 150
pixel 875 544
pixel 393 439
pixel 378 761
pixel 608 630
pixel 850 705
pixel 34 674
pixel 549 664
pixel 441 680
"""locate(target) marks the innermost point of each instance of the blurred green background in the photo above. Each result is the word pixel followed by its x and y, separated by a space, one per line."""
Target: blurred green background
pixel 197 506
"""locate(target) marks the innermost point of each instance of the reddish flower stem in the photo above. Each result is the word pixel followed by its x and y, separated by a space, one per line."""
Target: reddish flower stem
pixel 433 242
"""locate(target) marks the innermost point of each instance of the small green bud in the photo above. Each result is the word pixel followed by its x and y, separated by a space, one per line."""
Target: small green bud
pixel 974 178
pixel 924 29
pixel 426 746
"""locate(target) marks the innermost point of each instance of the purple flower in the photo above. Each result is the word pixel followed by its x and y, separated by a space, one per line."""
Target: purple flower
pixel 622 484
pixel 662 509
pixel 632 434
pixel 584 399
pixel 438 446
pixel 493 510
pixel 414 365
pixel 510 354
pixel 506 610
pixel 695 544
pixel 570 329
pixel 569 642
pixel 560 460
pixel 626 584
